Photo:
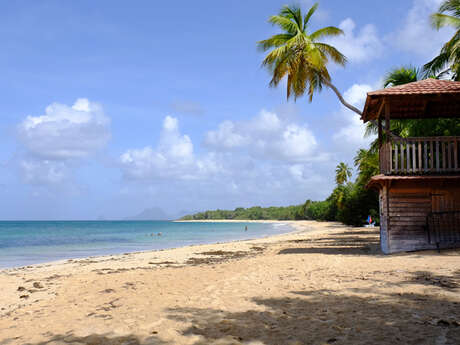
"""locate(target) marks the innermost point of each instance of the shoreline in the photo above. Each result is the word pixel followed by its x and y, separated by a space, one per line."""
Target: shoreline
pixel 102 256
pixel 322 283
pixel 291 224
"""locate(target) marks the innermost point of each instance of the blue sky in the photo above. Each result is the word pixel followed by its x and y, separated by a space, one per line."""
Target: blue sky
pixel 110 107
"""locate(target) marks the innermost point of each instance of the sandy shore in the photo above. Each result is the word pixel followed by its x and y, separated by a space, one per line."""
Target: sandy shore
pixel 324 284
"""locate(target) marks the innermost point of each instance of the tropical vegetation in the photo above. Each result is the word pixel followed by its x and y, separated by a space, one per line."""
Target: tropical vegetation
pixel 448 60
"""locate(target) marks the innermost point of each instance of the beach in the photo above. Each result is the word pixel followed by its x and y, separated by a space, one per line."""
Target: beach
pixel 324 283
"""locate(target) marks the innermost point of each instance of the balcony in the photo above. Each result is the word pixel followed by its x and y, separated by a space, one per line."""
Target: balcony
pixel 420 156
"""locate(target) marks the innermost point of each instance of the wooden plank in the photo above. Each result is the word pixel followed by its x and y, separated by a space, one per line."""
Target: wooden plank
pixel 437 156
pixel 403 228
pixel 399 206
pixel 396 157
pixel 409 208
pixel 390 146
pixel 410 225
pixel 444 155
pixel 410 236
pixel 406 227
pixel 408 156
pixel 407 218
pixel 408 215
pixel 410 205
pixel 406 210
pixel 425 148
pixel 420 167
pixel 431 156
pixel 406 207
pixel 397 221
pixel 410 200
pixel 456 155
pixel 403 193
pixel 414 158
pixel 402 155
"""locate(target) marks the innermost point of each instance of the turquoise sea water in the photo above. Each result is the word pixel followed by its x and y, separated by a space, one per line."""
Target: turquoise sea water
pixel 25 243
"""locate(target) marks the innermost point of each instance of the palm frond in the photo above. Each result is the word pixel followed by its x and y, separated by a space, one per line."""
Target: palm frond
pixel 274 41
pixel 310 12
pixel 294 13
pixel 452 6
pixel 333 53
pixel 436 65
pixel 284 23
pixel 328 31
pixel 439 20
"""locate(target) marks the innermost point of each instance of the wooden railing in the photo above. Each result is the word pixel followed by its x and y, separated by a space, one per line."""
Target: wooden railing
pixel 418 156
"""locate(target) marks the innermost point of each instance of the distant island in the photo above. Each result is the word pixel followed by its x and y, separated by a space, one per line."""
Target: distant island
pixel 155 213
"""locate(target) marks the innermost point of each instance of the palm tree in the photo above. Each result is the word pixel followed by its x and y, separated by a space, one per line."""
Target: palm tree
pixel 401 75
pixel 448 59
pixel 300 55
pixel 367 162
pixel 342 173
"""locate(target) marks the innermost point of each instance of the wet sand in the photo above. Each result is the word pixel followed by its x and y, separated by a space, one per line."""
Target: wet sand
pixel 324 284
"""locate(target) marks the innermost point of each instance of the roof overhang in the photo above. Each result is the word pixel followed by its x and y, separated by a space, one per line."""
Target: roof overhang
pixel 428 98
pixel 378 181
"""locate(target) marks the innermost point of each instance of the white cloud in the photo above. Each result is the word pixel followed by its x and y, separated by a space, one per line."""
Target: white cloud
pixel 357 46
pixel 417 36
pixel 43 172
pixel 65 132
pixel 265 136
pixel 172 158
pixel 266 158
pixel 61 137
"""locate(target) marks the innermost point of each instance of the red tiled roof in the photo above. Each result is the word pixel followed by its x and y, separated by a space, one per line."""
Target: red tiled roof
pixel 429 98
pixel 427 86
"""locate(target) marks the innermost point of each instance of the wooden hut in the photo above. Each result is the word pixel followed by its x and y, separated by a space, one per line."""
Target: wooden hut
pixel 419 180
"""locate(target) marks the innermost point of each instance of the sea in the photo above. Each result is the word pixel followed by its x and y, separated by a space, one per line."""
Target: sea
pixel 24 243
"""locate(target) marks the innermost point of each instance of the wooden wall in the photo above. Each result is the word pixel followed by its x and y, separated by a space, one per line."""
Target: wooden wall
pixel 404 207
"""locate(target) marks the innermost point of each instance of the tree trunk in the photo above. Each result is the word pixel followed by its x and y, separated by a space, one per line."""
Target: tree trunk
pixel 341 99
pixel 352 108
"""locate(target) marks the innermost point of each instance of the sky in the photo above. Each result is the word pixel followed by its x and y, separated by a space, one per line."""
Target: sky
pixel 111 107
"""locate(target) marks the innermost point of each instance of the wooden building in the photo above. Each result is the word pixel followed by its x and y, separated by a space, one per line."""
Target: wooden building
pixel 419 181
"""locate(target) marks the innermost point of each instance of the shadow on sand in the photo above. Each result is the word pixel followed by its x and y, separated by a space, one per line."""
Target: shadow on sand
pixel 325 318
pixel 359 242
pixel 95 339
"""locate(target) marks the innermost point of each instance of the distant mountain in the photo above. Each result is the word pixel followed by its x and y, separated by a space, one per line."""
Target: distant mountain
pixel 153 213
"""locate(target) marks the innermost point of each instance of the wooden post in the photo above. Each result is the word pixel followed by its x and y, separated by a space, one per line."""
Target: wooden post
pixel 387 135
pixel 381 152
pixel 387 121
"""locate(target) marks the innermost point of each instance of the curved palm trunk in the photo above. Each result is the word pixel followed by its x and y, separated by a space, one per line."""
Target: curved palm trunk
pixel 341 99
pixel 349 106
